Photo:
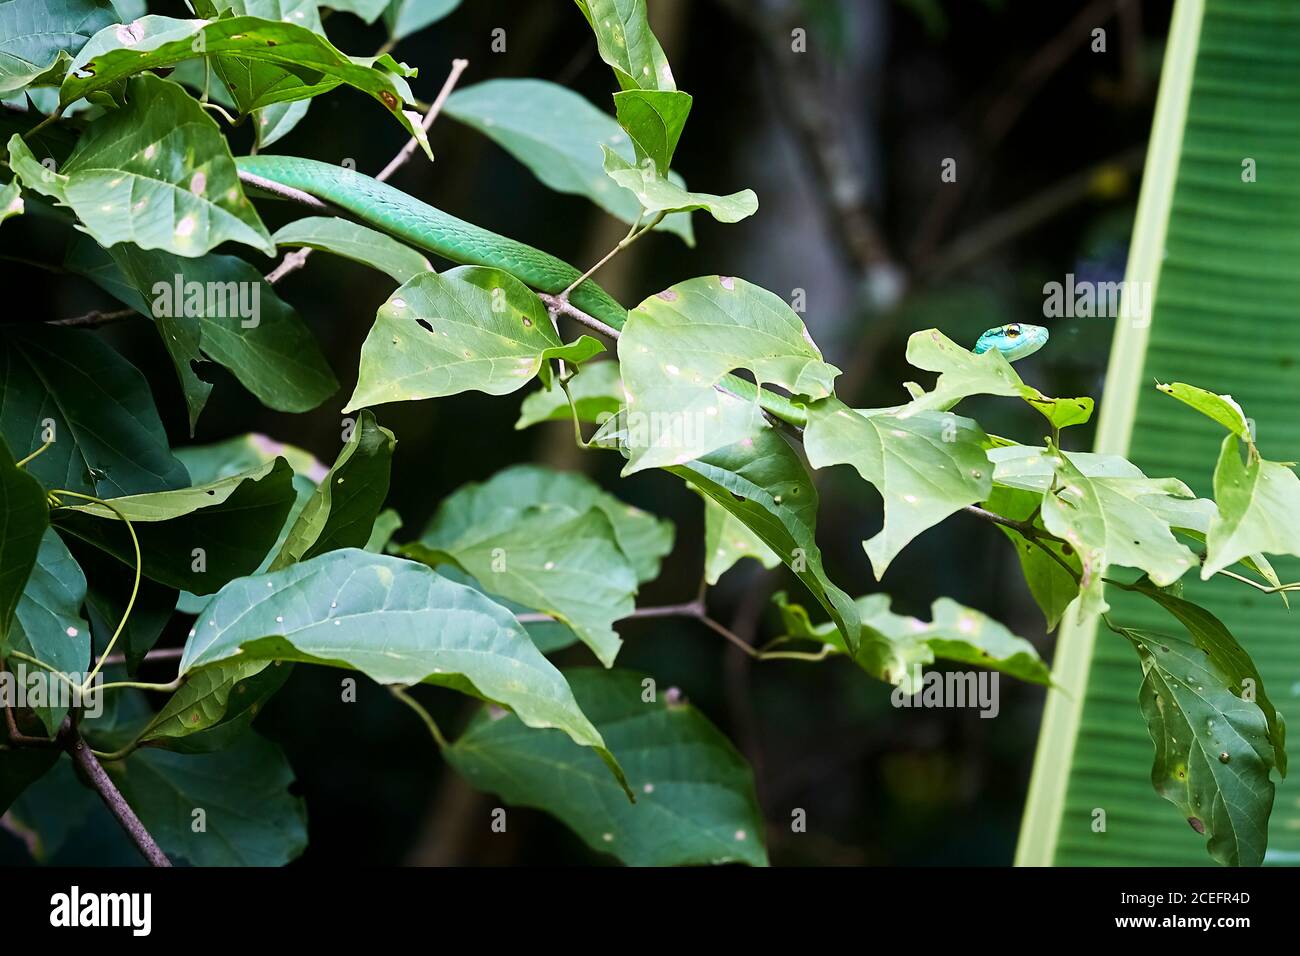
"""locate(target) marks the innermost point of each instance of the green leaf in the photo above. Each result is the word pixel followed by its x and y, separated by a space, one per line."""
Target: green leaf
pixel 278 120
pixel 404 17
pixel 47 623
pixel 109 440
pixel 109 585
pixel 895 648
pixel 51 809
pixel 696 802
pixel 1116 521
pixel 368 10
pixel 656 193
pixel 547 541
pixel 625 41
pixel 342 511
pixel 548 636
pixel 397 622
pixel 1226 657
pixel 313 65
pixel 19 769
pixel 468 329
pixel 234 521
pixel 962 373
pixel 727 540
pixel 387 523
pixel 251 81
pixel 37 37
pixel 11 200
pixel 1052 586
pixel 926 467
pixel 221 306
pixel 249 816
pixel 677 345
pixel 1196 721
pixel 1259 508
pixel 1218 408
pixel 356 242
pixel 214 706
pixel 761 482
pixel 156 173
pixel 24 516
pixel 597 392
pixel 557 134
pixel 654 119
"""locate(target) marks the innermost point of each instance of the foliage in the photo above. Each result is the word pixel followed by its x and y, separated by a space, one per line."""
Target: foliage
pixel 283 561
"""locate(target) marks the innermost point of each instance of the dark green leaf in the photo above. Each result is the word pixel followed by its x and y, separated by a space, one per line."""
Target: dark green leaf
pixel 240 798
pixel 35 35
pixel 396 621
pixel 24 516
pixel 233 522
pixel 1213 752
pixel 342 510
pixel 696 802
pixel 108 438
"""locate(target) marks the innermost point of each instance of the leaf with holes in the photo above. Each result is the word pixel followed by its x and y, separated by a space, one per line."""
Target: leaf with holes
pixel 39 37
pixel 926 466
pixel 468 329
pixel 1213 753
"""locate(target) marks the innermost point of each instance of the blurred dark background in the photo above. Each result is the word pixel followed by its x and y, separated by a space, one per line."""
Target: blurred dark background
pixel 844 146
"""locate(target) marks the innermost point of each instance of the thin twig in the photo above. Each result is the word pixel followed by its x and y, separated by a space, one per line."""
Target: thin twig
pixel 407 151
pixel 80 753
pixel 564 307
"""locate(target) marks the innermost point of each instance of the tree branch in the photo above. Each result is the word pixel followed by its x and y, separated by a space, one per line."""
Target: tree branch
pixel 80 753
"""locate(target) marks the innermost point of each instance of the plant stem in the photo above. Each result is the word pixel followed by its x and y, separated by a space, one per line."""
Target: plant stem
pixel 632 236
pixel 135 586
pixel 34 455
pixel 401 694
pixel 82 756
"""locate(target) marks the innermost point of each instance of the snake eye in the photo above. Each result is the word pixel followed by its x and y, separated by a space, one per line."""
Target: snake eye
pixel 1013 331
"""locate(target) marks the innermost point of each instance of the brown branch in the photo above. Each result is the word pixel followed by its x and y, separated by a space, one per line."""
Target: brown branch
pixel 80 753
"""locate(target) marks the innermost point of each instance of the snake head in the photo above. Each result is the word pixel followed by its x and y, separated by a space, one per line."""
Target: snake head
pixel 1014 341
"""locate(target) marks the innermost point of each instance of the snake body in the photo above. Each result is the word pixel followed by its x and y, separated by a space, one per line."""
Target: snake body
pixel 426 227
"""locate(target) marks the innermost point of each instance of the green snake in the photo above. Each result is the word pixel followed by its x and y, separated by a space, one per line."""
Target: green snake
pixel 425 227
